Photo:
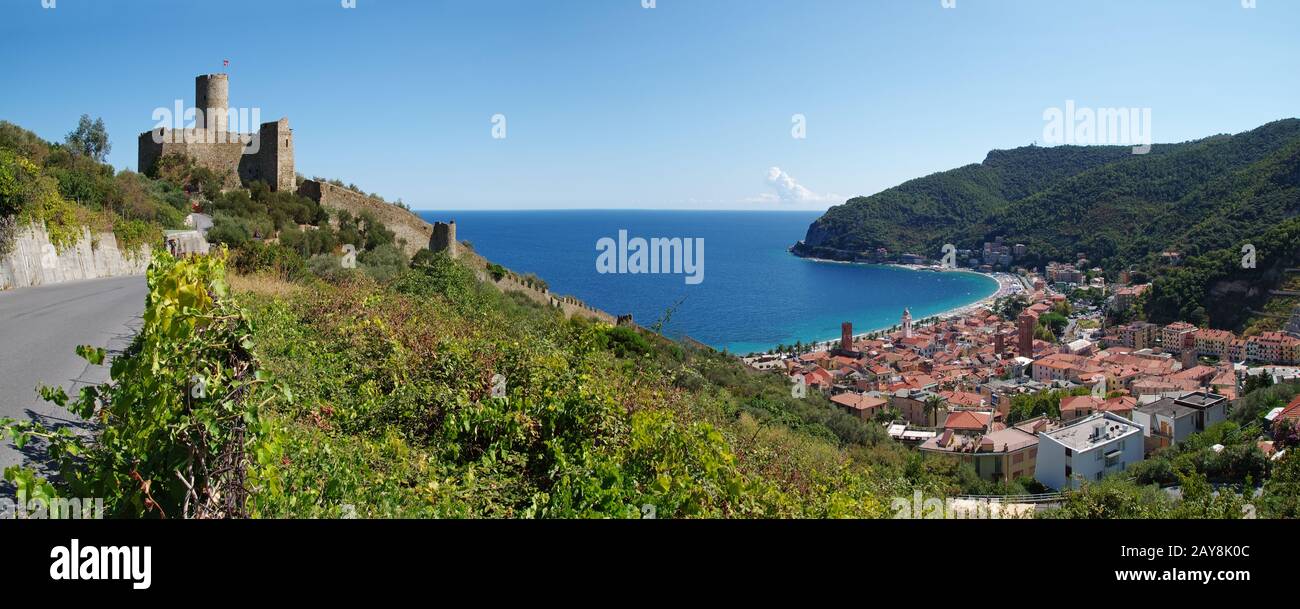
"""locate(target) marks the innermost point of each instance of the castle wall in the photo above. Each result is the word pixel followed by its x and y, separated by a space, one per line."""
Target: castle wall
pixel 34 261
pixel 224 153
pixel 408 227
pixel 568 305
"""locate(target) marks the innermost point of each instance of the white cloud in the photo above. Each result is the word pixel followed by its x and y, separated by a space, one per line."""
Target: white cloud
pixel 785 189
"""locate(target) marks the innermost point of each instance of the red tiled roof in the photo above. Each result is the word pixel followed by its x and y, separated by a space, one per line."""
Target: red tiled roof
pixel 857 401
pixel 1080 402
pixel 967 420
pixel 1290 413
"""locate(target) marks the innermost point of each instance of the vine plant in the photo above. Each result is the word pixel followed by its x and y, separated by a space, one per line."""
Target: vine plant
pixel 179 431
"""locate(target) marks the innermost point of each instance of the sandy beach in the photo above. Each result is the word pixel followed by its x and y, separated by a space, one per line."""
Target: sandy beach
pixel 1008 284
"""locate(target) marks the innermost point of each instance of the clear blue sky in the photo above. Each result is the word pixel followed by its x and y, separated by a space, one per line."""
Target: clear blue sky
pixel 686 105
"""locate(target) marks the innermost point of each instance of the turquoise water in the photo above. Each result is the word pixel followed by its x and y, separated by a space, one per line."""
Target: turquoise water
pixel 754 294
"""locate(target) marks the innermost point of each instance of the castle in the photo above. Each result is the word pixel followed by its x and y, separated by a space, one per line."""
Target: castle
pixel 267 156
pixel 242 158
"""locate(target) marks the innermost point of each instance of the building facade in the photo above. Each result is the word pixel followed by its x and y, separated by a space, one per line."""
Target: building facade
pixel 1088 449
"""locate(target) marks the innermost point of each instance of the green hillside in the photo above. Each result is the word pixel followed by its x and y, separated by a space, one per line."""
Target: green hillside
pixel 1202 199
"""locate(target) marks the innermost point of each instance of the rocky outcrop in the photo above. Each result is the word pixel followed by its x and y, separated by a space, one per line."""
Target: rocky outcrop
pixel 31 260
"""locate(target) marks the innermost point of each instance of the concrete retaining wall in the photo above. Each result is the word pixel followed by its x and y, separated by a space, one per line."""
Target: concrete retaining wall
pixel 33 260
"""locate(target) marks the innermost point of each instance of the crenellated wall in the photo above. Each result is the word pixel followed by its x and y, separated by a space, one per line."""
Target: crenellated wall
pixel 33 260
pixel 510 282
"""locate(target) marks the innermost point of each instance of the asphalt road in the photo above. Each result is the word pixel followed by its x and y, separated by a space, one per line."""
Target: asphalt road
pixel 40 329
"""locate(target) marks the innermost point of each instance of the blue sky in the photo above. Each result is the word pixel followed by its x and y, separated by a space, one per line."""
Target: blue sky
pixel 686 105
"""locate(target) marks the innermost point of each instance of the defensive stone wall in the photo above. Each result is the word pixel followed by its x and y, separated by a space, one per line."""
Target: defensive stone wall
pixel 408 227
pixel 511 282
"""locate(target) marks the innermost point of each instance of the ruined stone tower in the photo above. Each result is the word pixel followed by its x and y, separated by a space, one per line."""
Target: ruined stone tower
pixel 242 157
pixel 444 238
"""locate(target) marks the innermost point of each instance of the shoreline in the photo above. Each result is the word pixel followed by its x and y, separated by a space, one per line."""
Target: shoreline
pixel 1008 284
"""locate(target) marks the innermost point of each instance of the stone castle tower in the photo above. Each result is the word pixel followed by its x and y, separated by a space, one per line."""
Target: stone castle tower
pixel 212 96
pixel 242 157
pixel 444 238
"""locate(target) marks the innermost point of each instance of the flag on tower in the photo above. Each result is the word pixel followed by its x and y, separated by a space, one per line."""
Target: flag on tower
pixel 225 62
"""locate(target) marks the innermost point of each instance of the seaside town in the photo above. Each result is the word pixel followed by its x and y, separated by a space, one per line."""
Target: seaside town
pixel 1032 382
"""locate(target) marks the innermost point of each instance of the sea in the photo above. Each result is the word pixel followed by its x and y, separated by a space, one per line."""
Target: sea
pixel 753 294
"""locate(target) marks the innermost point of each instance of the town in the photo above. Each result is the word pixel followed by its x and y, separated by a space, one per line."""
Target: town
pixel 1032 383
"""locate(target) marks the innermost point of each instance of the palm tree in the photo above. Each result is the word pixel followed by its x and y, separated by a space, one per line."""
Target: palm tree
pixel 932 406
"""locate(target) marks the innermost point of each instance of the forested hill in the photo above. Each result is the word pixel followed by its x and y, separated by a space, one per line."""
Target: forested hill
pixel 1118 208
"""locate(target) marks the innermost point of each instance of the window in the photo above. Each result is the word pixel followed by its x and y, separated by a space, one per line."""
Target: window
pixel 1099 456
pixel 1069 453
pixel 1098 476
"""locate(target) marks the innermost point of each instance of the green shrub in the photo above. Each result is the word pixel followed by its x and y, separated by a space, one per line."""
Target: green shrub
pixel 383 263
pixel 254 257
pixel 626 342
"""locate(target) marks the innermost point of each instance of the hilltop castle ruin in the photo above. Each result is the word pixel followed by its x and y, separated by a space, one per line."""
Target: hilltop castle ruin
pixel 243 158
pixel 267 156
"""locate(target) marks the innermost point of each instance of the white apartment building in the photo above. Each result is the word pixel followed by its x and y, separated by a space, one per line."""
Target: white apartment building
pixel 1088 449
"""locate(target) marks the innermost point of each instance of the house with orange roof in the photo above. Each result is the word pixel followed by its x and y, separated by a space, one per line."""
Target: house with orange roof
pixel 819 378
pixel 1121 405
pixel 1078 407
pixel 860 405
pixel 1000 455
pixel 968 422
pixel 963 399
pixel 1058 367
pixel 1290 415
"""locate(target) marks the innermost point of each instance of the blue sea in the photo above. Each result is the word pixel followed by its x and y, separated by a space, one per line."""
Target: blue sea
pixel 755 294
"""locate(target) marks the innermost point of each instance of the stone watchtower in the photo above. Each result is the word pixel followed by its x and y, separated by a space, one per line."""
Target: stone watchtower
pixel 444 238
pixel 212 98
